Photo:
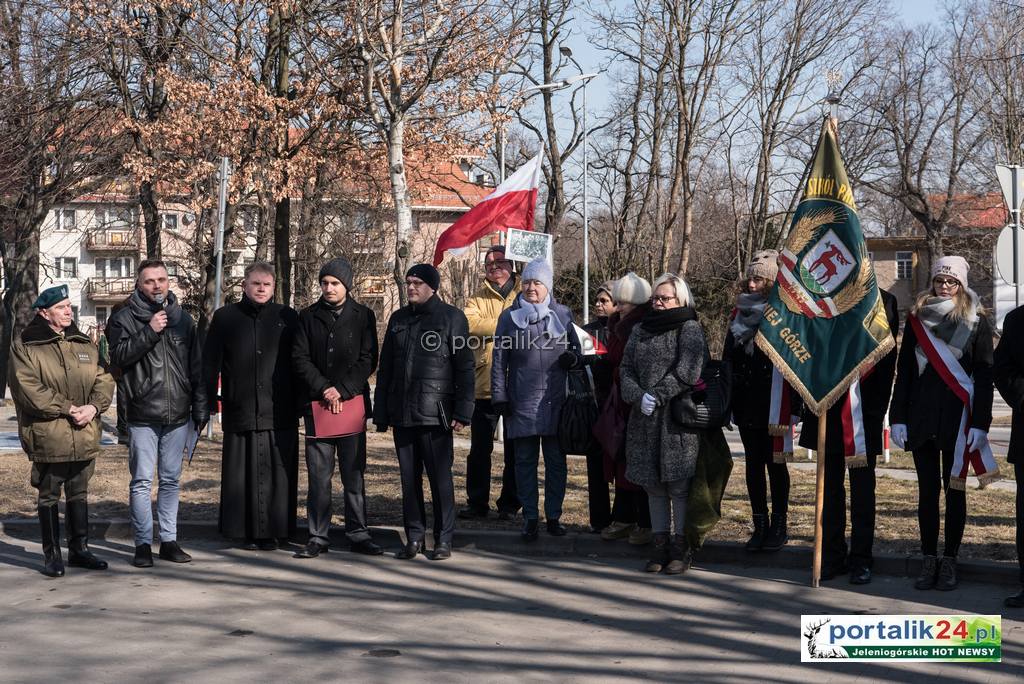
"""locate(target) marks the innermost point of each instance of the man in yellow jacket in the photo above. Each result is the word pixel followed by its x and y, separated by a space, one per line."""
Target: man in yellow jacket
pixel 498 291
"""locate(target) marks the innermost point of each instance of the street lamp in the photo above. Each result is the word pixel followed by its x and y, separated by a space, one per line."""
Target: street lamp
pixel 559 85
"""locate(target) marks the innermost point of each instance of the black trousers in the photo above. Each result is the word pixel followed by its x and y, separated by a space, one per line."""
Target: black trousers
pixel 478 463
pixel 757 448
pixel 599 502
pixel 430 449
pixel 862 513
pixel 1018 473
pixel 631 506
pixel 351 455
pixel 933 471
pixel 72 476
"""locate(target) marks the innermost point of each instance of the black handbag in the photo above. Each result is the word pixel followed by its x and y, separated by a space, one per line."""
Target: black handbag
pixel 707 405
pixel 579 413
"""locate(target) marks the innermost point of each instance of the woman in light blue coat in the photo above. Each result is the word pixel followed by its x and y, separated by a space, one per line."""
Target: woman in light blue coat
pixel 535 343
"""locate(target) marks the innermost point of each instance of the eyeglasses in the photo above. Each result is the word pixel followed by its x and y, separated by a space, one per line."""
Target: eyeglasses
pixel 497 263
pixel 946 282
pixel 414 283
pixel 663 300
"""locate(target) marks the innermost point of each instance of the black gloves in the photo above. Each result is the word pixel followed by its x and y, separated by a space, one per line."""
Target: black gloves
pixel 568 360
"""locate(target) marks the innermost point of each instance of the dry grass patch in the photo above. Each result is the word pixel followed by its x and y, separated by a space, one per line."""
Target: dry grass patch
pixel 990 526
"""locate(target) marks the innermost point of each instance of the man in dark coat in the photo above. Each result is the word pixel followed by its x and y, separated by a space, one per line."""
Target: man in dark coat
pixel 876 389
pixel 249 348
pixel 424 391
pixel 154 343
pixel 335 354
pixel 1008 373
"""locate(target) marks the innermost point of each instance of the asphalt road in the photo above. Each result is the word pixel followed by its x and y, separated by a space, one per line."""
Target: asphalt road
pixel 239 616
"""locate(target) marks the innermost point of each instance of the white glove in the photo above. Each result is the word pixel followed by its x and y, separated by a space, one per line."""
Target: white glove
pixel 898 433
pixel 976 439
pixel 647 404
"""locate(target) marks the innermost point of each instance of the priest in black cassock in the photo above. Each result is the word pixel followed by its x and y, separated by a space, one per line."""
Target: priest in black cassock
pixel 249 347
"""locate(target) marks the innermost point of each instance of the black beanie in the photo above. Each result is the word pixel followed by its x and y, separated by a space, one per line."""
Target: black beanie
pixel 340 269
pixel 427 274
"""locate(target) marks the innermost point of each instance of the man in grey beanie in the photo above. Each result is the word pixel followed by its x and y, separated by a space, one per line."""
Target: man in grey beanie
pixel 335 354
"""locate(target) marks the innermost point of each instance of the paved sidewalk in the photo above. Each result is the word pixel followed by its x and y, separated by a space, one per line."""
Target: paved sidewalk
pixel 241 616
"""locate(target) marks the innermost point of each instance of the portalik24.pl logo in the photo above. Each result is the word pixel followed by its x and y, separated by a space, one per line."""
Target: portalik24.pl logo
pixel 953 638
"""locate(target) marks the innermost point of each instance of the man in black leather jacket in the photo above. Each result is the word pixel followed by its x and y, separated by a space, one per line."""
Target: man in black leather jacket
pixel 154 344
pixel 334 355
pixel 424 391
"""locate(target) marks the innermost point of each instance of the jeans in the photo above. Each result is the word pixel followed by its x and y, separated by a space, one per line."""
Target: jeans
pixel 527 450
pixel 155 449
pixel 666 499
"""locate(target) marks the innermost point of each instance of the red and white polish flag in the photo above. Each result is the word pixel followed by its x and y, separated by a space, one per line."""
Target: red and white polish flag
pixel 511 205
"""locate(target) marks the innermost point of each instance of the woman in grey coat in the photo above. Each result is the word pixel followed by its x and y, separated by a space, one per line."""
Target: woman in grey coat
pixel 663 359
pixel 534 344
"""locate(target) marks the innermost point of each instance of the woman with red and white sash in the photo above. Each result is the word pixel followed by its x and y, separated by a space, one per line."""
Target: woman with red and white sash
pixel 942 408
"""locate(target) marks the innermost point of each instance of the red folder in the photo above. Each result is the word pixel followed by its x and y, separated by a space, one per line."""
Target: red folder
pixel 351 420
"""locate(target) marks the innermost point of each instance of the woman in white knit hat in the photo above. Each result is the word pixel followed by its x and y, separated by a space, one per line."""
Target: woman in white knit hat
pixel 751 400
pixel 631 515
pixel 947 344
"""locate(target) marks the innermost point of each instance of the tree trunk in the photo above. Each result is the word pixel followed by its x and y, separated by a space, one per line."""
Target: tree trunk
pixel 282 251
pixel 151 218
pixel 209 299
pixel 21 268
pixel 403 204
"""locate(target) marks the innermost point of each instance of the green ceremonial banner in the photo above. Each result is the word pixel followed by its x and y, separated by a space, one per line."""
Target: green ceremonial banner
pixel 825 323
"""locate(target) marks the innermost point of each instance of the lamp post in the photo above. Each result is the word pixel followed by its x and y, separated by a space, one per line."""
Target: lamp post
pixel 559 85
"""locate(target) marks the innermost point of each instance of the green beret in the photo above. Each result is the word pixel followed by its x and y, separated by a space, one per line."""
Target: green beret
pixel 51 296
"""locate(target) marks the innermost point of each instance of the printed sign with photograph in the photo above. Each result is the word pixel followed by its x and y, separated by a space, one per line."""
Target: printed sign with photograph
pixel 527 245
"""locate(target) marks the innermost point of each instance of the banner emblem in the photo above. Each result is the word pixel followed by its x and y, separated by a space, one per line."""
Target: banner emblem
pixel 826 265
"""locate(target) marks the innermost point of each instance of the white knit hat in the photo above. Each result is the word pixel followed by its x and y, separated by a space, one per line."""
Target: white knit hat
pixel 631 289
pixel 952 266
pixel 540 270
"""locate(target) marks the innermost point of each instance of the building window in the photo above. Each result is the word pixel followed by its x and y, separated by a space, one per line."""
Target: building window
pixel 65 219
pixel 115 219
pixel 170 221
pixel 74 313
pixel 904 265
pixel 65 267
pixel 116 267
pixel 173 270
pixel 102 314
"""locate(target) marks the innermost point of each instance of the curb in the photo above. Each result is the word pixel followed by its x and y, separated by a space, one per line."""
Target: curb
pixel 573 545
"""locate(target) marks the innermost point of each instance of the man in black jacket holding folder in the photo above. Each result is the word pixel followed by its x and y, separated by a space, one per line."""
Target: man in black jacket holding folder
pixel 335 354
pixel 424 391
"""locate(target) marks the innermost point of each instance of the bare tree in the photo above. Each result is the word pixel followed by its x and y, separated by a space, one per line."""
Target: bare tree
pixel 928 129
pixel 57 140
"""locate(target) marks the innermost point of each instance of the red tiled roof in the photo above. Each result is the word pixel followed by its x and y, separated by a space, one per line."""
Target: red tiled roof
pixel 975 212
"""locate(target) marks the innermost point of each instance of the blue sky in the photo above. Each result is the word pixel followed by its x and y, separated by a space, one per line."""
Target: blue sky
pixel 912 11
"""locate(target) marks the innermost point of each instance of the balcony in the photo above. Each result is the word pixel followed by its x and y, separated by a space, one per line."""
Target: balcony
pixel 113 241
pixel 108 290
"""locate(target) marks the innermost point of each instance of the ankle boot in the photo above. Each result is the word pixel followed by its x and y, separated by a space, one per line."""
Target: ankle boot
pixel 659 555
pixel 929 571
pixel 777 536
pixel 49 527
pixel 76 516
pixel 946 580
pixel 680 554
pixel 756 541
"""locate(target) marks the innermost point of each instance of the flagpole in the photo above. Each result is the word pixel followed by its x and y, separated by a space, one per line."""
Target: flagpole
pixel 819 497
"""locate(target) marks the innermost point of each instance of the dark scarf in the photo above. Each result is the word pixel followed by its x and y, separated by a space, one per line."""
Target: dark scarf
pixel 333 309
pixel 424 308
pixel 143 308
pixel 658 321
pixel 250 306
pixel 505 289
pixel 750 308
